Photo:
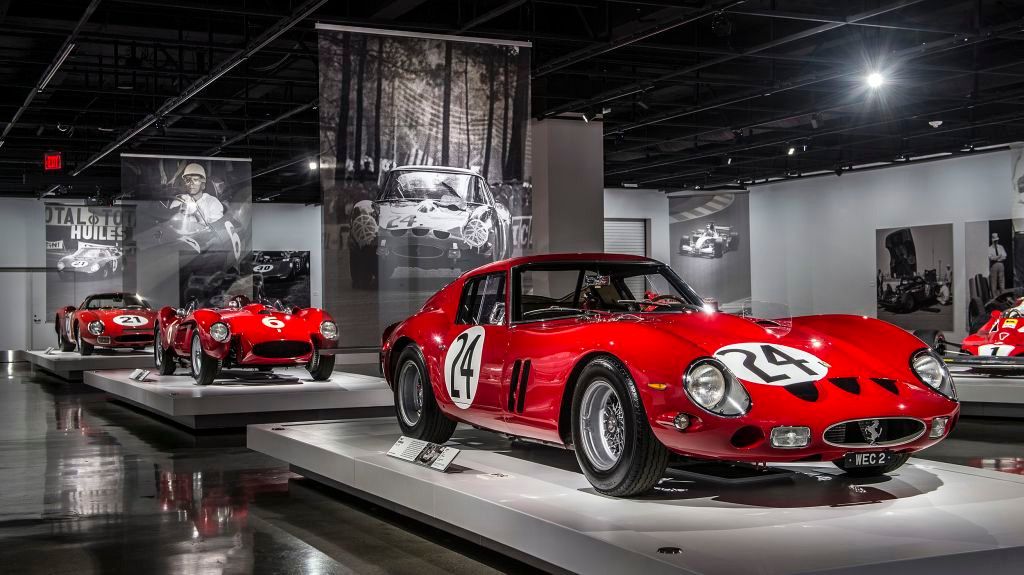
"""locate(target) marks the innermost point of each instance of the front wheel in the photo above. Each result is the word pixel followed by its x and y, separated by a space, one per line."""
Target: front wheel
pixel 614 445
pixel 204 368
pixel 418 413
pixel 162 358
pixel 874 471
pixel 84 347
pixel 320 367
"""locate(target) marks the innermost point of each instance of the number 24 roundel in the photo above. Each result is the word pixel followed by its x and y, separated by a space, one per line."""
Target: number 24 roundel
pixel 772 364
pixel 462 366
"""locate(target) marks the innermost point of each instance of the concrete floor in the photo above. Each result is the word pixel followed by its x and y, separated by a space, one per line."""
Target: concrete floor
pixel 89 486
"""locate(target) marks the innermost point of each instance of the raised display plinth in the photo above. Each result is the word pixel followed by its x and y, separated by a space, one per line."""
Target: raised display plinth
pixel 532 503
pixel 989 396
pixel 70 364
pixel 241 397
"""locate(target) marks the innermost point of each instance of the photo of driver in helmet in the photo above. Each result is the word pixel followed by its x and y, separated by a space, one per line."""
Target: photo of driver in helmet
pixel 200 209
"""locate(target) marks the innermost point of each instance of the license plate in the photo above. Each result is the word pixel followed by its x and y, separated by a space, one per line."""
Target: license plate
pixel 867 458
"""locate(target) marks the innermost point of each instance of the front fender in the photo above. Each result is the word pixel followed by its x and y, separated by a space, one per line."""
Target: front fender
pixel 201 321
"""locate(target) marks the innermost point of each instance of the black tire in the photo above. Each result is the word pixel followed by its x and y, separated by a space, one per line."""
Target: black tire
pixel 163 359
pixel 63 342
pixel 907 303
pixel 320 367
pixel 84 347
pixel 209 367
pixel 433 425
pixel 934 338
pixel 875 471
pixel 642 459
pixel 265 369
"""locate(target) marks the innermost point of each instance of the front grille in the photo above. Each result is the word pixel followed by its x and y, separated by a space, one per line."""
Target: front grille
pixel 419 251
pixel 420 232
pixel 399 232
pixel 874 432
pixel 442 235
pixel 281 349
pixel 135 338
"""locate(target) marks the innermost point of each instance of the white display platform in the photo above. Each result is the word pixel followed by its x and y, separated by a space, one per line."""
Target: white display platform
pixel 70 364
pixel 532 503
pixel 285 395
pixel 990 396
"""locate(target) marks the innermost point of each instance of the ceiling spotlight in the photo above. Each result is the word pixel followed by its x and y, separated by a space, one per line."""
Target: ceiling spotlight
pixel 875 80
pixel 313 165
pixel 805 147
pixel 728 161
pixel 791 151
pixel 815 121
pixel 586 118
pixel 935 123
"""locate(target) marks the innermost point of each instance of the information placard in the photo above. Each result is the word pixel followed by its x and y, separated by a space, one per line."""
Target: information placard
pixel 432 455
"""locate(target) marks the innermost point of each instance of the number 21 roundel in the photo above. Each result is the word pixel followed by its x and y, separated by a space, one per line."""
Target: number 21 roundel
pixel 462 366
pixel 772 364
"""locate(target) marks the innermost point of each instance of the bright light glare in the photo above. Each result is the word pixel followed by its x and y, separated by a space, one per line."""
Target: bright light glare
pixel 313 164
pixel 875 80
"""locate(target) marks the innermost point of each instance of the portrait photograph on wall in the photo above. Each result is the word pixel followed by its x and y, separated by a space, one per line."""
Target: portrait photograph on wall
pixel 282 275
pixel 89 249
pixel 193 221
pixel 709 235
pixel 914 277
pixel 993 253
pixel 424 167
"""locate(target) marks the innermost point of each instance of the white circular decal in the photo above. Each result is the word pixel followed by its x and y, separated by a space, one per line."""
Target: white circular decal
pixel 462 366
pixel 262 268
pixel 273 322
pixel 79 264
pixel 130 320
pixel 771 364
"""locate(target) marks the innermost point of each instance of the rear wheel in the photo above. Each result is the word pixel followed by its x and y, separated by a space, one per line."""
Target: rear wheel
pixel 934 338
pixel 163 358
pixel 418 413
pixel 64 343
pixel 204 368
pixel 876 470
pixel 613 441
pixel 84 347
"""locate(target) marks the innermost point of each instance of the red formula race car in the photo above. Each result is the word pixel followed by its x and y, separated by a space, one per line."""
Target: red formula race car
pixel 109 320
pixel 617 358
pixel 244 334
pixel 997 348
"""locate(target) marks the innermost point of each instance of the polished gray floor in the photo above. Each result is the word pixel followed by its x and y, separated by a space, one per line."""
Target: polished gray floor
pixel 89 486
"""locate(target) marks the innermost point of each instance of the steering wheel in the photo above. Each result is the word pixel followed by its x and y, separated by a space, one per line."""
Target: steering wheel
pixel 669 297
pixel 1011 313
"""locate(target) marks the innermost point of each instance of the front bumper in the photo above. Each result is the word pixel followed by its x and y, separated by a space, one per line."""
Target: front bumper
pixel 428 251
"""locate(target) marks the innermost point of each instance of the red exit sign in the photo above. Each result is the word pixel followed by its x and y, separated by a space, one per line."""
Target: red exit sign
pixel 53 161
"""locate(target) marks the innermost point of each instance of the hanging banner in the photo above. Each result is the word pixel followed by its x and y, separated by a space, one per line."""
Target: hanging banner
pixel 194 227
pixel 424 166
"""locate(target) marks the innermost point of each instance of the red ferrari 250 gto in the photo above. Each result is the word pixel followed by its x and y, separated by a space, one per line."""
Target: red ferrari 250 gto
pixel 244 334
pixel 108 320
pixel 618 358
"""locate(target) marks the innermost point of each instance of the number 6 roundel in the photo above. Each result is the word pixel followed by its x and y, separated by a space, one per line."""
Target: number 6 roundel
pixel 462 366
pixel 771 363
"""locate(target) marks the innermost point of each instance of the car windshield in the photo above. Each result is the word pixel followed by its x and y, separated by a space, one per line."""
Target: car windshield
pixel 443 187
pixel 90 253
pixel 116 301
pixel 546 291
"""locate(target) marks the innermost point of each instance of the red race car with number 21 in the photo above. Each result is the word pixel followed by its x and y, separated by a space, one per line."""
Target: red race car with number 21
pixel 617 358
pixel 106 320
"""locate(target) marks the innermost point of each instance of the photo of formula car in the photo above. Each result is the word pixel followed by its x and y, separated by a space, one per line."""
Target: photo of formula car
pixel 261 335
pixel 92 260
pixel 280 266
pixel 996 348
pixel 106 320
pixel 711 241
pixel 427 217
pixel 616 357
pixel 911 293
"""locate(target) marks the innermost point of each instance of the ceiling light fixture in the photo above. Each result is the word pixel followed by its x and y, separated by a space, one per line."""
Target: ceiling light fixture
pixel 875 80
pixel 313 165
pixel 791 151
pixel 935 123
pixel 53 71
pixel 728 161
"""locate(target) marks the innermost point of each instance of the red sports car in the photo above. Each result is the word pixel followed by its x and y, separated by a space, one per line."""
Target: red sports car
pixel 997 348
pixel 244 334
pixel 110 320
pixel 618 358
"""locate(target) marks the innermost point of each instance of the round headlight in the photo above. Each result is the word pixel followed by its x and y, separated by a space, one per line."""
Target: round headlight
pixel 932 371
pixel 329 330
pixel 706 385
pixel 60 265
pixel 95 327
pixel 220 332
pixel 94 267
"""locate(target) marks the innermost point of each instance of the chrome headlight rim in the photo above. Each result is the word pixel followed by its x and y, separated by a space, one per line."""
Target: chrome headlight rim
pixel 96 327
pixel 735 395
pixel 220 332
pixel 945 386
pixel 329 329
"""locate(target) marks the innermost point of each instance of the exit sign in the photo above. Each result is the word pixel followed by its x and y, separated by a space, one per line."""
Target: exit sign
pixel 53 161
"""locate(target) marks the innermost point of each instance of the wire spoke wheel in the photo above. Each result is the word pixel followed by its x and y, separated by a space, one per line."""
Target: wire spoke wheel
pixel 157 348
pixel 410 394
pixel 197 355
pixel 602 425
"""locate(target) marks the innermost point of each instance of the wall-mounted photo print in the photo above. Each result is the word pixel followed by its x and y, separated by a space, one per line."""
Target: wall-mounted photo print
pixel 710 235
pixel 914 279
pixel 993 254
pixel 282 275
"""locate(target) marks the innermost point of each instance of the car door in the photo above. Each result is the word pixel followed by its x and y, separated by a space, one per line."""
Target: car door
pixel 474 357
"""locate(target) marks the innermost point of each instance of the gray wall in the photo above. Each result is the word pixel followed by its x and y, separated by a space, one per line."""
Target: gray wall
pixel 637 204
pixel 813 241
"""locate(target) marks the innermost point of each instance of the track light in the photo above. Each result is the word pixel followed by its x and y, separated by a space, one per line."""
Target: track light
pixel 791 151
pixel 586 118
pixel 313 165
pixel 875 80
pixel 53 71
pixel 728 161
pixel 935 123
pixel 805 147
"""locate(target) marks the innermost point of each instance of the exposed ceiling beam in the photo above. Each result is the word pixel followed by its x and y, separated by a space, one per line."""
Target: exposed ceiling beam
pixel 490 15
pixel 396 8
pixel 217 149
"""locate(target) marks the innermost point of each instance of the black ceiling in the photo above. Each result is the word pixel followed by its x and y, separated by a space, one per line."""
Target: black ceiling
pixel 690 93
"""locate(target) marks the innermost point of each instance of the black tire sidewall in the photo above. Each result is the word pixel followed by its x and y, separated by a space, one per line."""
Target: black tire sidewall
pixel 412 353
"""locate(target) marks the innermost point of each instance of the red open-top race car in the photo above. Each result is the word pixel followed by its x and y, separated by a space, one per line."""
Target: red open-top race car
pixel 618 358
pixel 109 320
pixel 244 334
pixel 996 348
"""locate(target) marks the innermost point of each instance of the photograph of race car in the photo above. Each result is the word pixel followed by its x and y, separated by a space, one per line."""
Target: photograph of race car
pixel 908 294
pixel 106 320
pixel 245 334
pixel 711 241
pixel 996 348
pixel 92 260
pixel 616 357
pixel 280 266
pixel 427 217
pixel 914 276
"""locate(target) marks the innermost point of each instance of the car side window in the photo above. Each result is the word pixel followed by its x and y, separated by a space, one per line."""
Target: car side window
pixel 483 301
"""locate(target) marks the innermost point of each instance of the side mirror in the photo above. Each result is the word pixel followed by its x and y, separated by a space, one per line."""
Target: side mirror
pixel 710 304
pixel 497 314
